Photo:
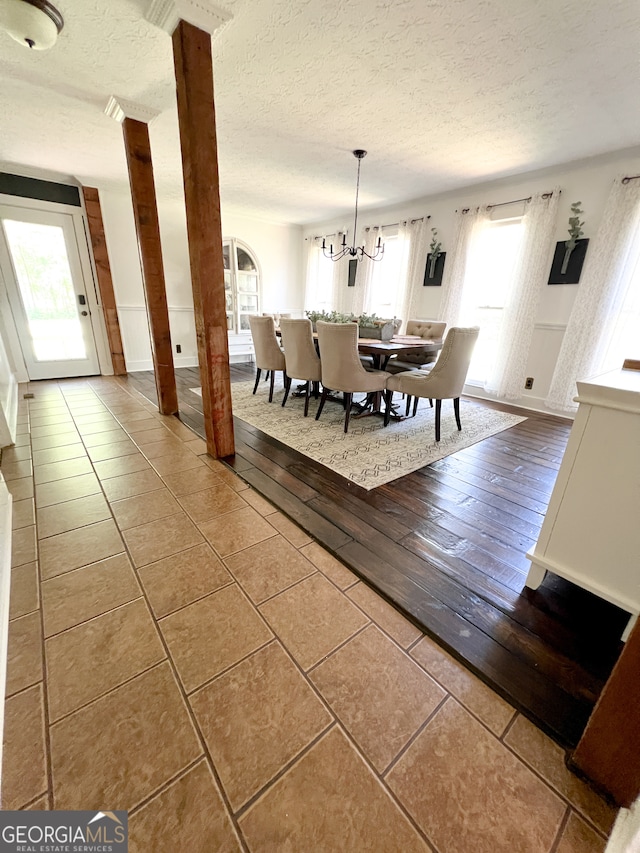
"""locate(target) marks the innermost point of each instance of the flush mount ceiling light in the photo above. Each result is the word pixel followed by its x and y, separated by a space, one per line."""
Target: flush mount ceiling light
pixel 354 251
pixel 34 23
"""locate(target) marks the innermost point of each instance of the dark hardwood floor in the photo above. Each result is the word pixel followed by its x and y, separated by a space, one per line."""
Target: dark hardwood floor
pixel 447 546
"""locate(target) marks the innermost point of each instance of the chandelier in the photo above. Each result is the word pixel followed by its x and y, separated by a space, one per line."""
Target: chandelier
pixel 354 251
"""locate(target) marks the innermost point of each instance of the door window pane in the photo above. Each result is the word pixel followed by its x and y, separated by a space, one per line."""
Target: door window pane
pixel 39 256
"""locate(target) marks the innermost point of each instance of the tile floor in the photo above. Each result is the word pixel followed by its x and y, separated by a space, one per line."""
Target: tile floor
pixel 180 649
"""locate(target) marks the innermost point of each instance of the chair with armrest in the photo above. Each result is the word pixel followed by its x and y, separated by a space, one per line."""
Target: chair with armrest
pixel 268 354
pixel 300 357
pixel 341 367
pixel 446 378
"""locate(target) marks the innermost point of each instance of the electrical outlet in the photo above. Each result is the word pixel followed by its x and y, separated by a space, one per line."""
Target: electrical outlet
pixel 528 383
pixel 179 349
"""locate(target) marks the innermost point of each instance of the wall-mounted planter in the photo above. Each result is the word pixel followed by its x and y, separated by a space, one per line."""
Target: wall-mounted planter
pixel 433 272
pixel 573 265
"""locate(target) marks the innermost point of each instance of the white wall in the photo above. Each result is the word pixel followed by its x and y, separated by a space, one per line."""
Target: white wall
pixel 8 397
pixel 277 247
pixel 586 181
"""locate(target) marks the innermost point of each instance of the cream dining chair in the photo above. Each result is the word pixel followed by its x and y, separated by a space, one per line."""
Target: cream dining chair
pixel 269 356
pixel 300 357
pixel 430 330
pixel 341 367
pixel 446 378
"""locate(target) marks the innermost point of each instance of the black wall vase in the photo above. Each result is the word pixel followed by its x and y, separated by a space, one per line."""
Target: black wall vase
pixel 353 268
pixel 436 278
pixel 574 267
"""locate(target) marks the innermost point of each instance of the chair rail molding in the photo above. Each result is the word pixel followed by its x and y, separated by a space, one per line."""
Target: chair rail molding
pixel 166 14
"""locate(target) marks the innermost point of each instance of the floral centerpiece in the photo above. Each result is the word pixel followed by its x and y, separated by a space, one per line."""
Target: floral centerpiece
pixel 372 326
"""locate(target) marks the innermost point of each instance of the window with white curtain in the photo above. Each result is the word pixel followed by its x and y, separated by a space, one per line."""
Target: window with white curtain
pixel 388 280
pixel 622 336
pixel 490 268
pixel 319 289
pixel 604 327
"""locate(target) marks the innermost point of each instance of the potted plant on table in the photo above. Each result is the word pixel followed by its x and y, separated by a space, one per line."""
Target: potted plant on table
pixel 328 317
pixel 372 326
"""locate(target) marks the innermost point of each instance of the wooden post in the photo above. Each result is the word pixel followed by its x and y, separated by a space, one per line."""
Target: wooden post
pixel 145 211
pixel 105 282
pixel 609 750
pixel 196 116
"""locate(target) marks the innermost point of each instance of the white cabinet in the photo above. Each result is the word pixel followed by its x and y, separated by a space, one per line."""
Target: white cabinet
pixel 591 532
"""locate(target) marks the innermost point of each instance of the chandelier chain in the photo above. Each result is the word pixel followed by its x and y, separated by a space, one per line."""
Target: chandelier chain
pixel 353 250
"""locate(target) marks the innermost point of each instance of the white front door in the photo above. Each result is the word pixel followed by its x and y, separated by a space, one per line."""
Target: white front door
pixel 41 267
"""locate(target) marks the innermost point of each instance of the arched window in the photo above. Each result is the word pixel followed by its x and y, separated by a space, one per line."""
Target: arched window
pixel 241 284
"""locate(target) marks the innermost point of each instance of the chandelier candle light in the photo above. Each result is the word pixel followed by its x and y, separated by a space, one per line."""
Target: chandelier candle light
pixel 354 251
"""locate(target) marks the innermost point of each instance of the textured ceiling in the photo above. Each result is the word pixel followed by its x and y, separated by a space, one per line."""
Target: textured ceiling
pixel 443 94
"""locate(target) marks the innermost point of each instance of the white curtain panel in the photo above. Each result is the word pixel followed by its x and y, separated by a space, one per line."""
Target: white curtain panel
pixel 397 282
pixel 530 275
pixel 362 289
pixel 607 280
pixel 314 258
pixel 418 248
pixel 468 226
pixel 324 276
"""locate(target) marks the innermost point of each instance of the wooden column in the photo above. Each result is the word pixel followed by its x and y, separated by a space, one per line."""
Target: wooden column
pixel 196 115
pixel 609 750
pixel 145 211
pixel 105 282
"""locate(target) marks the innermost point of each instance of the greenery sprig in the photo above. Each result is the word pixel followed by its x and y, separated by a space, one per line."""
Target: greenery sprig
pixel 435 247
pixel 575 226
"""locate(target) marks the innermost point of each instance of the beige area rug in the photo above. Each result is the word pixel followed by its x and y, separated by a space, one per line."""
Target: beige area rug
pixel 369 454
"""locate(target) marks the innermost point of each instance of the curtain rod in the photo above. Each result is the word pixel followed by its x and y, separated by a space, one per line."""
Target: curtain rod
pixel 393 224
pixel 515 201
pixel 322 236
pixel 630 178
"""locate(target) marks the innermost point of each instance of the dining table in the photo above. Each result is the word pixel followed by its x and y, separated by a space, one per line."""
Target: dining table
pixel 381 353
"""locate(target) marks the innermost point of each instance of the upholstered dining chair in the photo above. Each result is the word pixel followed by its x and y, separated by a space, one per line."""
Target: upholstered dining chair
pixel 446 378
pixel 300 357
pixel 430 330
pixel 341 367
pixel 268 356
